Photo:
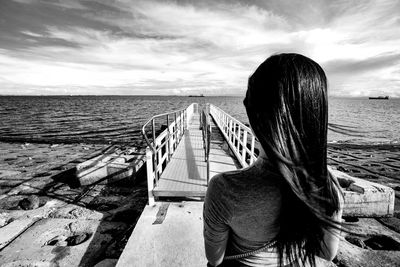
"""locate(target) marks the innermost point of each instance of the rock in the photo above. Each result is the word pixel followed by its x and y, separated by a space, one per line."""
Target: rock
pixel 4 219
pixel 356 241
pixel 77 239
pixel 29 203
pixel 345 183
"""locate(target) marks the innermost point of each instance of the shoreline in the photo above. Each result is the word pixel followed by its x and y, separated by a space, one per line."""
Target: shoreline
pixel 28 169
pixel 331 144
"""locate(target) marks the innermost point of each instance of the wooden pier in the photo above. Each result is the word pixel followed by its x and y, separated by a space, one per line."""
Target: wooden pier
pixel 180 161
pixel 186 173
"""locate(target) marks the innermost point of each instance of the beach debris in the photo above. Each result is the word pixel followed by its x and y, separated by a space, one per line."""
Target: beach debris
pixel 4 219
pixel 54 145
pixel 356 188
pixel 25 145
pixel 345 183
pixel 29 203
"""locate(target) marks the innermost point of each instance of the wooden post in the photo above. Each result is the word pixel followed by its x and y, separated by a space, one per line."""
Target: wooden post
pixel 150 175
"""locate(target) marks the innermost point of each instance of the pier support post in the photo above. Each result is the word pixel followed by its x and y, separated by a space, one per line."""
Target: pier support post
pixel 168 147
pixel 150 175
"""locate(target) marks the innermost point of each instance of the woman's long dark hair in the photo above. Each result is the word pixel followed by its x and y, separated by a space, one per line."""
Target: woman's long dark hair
pixel 287 106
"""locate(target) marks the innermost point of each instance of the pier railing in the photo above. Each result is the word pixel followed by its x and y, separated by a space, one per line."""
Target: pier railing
pixel 206 133
pixel 161 147
pixel 238 136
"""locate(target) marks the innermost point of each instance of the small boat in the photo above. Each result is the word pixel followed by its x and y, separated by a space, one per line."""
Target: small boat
pixel 379 97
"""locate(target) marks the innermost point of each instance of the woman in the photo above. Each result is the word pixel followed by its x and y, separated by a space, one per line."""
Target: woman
pixel 284 209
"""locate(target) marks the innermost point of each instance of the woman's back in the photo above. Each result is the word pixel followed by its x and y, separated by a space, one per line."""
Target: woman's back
pixel 299 206
pixel 249 202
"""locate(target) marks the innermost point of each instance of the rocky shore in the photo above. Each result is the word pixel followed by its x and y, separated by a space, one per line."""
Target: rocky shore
pixel 45 218
pixel 62 225
pixel 375 241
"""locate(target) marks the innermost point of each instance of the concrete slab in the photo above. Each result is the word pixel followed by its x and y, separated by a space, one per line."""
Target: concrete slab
pixel 57 242
pixel 71 211
pixel 366 199
pixel 176 241
pixel 108 169
pixel 47 205
pixel 8 173
pixel 10 231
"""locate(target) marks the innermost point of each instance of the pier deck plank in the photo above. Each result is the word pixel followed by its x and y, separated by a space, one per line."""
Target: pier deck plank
pixel 186 173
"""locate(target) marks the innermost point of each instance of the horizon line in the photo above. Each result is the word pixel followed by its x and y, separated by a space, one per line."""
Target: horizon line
pixel 188 95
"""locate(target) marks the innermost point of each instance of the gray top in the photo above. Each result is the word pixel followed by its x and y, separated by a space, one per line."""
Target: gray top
pixel 241 212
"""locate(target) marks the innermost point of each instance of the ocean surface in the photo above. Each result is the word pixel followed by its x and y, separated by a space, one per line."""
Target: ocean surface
pixel 118 119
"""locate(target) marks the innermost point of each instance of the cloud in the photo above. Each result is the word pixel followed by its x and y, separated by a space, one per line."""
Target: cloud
pixel 165 47
pixel 353 66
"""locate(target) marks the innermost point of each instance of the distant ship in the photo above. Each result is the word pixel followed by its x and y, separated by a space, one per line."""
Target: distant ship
pixel 196 95
pixel 379 97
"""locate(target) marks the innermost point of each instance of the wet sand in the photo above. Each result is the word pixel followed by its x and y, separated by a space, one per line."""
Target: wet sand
pixel 32 172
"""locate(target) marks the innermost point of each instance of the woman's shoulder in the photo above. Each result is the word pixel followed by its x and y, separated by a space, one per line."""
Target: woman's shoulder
pixel 220 180
pixel 241 181
pixel 223 184
pixel 228 179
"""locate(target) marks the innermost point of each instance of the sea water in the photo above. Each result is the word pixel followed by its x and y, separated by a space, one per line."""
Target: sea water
pixel 118 119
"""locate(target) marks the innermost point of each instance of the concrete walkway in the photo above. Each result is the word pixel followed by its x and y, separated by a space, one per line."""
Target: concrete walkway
pixel 167 234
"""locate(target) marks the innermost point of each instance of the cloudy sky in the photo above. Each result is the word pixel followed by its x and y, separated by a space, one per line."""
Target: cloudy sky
pixel 192 46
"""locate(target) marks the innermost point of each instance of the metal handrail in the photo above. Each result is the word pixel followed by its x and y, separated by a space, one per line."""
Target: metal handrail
pixel 156 156
pixel 152 119
pixel 206 133
pixel 236 134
